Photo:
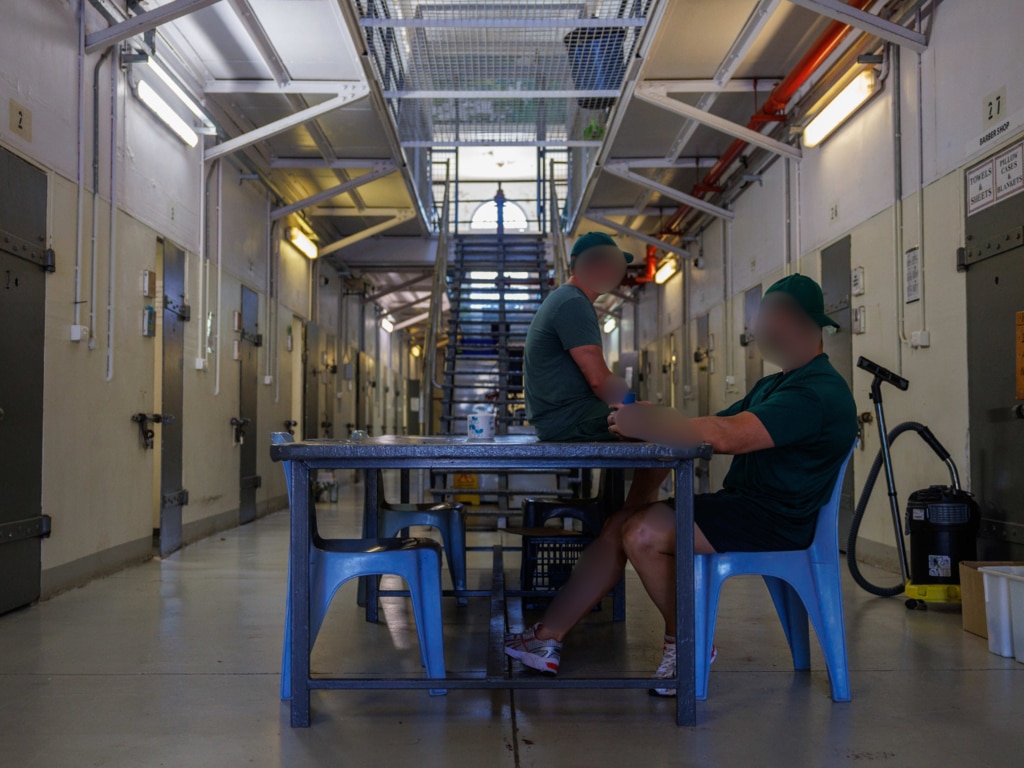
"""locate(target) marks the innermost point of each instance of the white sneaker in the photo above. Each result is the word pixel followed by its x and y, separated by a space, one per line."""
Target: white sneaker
pixel 667 668
pixel 541 655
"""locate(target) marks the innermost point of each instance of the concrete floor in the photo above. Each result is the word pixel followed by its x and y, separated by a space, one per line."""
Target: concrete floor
pixel 175 663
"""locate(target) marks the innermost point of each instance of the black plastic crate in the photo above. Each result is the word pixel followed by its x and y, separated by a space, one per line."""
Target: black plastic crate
pixel 547 563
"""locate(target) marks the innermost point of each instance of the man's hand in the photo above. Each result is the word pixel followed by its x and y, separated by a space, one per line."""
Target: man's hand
pixel 654 424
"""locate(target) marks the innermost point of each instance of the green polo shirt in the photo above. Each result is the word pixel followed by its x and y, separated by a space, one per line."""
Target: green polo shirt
pixel 560 404
pixel 812 419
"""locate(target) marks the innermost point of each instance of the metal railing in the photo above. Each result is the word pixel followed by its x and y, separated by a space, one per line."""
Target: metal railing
pixel 440 288
pixel 559 255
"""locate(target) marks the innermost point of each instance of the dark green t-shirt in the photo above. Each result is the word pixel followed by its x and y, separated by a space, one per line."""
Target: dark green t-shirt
pixel 560 404
pixel 812 419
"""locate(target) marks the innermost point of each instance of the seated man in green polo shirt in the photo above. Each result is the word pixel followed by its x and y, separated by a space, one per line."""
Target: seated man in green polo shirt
pixel 788 436
pixel 569 388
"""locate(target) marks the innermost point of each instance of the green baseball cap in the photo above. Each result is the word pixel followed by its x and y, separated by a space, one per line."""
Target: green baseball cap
pixel 807 295
pixel 595 240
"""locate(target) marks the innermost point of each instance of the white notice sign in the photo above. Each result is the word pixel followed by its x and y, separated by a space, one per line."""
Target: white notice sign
pixel 912 275
pixel 1009 172
pixel 981 187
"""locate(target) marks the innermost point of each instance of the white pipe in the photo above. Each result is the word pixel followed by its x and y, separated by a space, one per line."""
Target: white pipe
pixel 269 331
pixel 115 68
pixel 81 162
pixel 220 274
pixel 200 311
pixel 920 186
pixel 727 298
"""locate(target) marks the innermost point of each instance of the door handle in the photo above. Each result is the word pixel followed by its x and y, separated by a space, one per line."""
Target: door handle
pixel 1017 411
pixel 239 424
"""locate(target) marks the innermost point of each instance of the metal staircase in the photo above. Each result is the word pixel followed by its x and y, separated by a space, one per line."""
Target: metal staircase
pixel 496 285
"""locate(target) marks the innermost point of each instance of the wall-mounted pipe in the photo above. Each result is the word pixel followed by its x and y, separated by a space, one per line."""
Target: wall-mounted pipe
pixel 920 182
pixel 81 164
pixel 897 205
pixel 220 275
pixel 203 290
pixel 776 103
pixel 93 240
pixel 115 81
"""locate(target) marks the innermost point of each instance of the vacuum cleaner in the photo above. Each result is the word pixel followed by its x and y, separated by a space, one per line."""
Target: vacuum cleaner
pixel 942 520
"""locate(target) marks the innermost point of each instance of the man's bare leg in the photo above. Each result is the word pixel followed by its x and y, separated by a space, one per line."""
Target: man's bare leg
pixel 649 541
pixel 598 570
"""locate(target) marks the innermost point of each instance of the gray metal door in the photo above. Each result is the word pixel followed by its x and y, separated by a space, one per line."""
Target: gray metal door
pixel 995 365
pixel 172 495
pixel 835 285
pixel 247 428
pixel 23 263
pixel 702 358
pixel 753 364
pixel 328 387
pixel 317 366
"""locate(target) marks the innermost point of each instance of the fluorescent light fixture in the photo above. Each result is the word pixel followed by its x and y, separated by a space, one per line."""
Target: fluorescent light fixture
pixel 610 324
pixel 163 110
pixel 416 350
pixel 846 102
pixel 176 89
pixel 666 270
pixel 387 323
pixel 298 238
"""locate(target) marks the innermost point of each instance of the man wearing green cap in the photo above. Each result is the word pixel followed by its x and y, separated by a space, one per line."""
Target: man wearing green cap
pixel 569 388
pixel 788 438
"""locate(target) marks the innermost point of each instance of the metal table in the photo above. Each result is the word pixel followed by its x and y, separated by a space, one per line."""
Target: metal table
pixel 501 453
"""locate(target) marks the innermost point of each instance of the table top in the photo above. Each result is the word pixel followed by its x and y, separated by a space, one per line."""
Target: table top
pixel 516 448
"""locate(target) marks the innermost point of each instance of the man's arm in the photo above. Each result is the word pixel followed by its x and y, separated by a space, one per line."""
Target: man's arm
pixel 741 433
pixel 589 358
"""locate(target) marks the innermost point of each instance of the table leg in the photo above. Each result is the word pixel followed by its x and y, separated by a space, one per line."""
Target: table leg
pixel 404 487
pixel 686 701
pixel 298 559
pixel 370 508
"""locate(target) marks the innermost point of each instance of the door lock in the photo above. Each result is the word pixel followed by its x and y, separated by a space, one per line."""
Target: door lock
pixel 144 422
pixel 290 426
pixel 239 425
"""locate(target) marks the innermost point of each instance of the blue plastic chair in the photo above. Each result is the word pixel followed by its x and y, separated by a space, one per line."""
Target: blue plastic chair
pixel 334 561
pixel 448 519
pixel 803 584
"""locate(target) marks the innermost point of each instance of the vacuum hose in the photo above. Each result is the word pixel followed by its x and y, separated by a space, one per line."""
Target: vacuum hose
pixel 869 484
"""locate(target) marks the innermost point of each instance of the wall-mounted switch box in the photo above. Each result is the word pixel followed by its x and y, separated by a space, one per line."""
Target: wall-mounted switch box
pixel 857 281
pixel 149 321
pixel 148 283
pixel 920 339
pixel 236 350
pixel 859 319
pixel 236 320
pixel 268 380
pixel 200 364
pixel 79 332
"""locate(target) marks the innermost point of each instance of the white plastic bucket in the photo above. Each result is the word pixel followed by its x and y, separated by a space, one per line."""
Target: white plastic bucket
pixel 1004 609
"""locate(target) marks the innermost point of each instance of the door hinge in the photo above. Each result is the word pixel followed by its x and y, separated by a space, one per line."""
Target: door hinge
pixel 254 481
pixel 31 528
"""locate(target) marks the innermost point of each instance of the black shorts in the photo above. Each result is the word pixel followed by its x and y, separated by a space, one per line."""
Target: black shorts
pixel 732 523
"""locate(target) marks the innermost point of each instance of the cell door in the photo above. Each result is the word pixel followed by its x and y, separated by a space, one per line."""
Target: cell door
pixel 172 495
pixel 994 258
pixel 247 429
pixel 24 261
pixel 702 359
pixel 328 385
pixel 752 362
pixel 835 285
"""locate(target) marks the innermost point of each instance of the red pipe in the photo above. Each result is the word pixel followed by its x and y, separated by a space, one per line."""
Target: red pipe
pixel 776 102
pixel 650 267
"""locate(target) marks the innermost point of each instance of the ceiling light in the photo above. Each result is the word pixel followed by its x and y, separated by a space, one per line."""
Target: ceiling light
pixel 298 238
pixel 163 110
pixel 416 350
pixel 177 90
pixel 387 323
pixel 610 324
pixel 840 108
pixel 666 270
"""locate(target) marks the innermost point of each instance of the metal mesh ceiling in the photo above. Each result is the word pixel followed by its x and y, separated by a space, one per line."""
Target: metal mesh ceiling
pixel 498 72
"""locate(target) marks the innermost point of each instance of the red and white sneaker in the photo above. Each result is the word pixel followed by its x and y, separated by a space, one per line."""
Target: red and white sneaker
pixel 667 669
pixel 541 655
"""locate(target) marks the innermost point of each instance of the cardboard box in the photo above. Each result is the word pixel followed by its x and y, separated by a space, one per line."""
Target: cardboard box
pixel 972 595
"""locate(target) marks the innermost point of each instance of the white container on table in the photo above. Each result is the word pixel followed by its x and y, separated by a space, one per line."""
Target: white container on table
pixel 1004 609
pixel 480 423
